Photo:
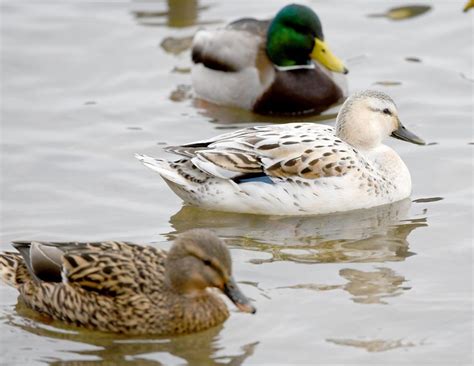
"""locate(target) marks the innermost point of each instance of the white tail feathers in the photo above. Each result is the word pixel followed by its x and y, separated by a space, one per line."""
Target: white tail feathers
pixel 163 168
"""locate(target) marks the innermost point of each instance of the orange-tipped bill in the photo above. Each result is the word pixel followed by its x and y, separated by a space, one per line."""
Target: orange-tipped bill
pixel 238 298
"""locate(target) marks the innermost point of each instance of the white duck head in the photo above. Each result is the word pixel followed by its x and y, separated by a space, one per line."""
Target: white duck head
pixel 368 117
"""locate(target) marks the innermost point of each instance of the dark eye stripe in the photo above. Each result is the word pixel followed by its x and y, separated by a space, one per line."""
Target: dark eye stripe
pixel 213 264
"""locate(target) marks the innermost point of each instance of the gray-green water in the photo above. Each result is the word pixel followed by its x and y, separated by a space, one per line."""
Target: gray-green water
pixel 87 84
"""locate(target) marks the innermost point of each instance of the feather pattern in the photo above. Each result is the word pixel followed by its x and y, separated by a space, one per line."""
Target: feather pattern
pixel 111 268
pixel 13 270
pixel 294 150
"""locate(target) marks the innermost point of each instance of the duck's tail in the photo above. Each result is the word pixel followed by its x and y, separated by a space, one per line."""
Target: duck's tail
pixel 13 270
pixel 166 169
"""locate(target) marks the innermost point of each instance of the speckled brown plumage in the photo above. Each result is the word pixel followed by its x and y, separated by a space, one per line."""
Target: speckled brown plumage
pixel 126 288
pixel 297 150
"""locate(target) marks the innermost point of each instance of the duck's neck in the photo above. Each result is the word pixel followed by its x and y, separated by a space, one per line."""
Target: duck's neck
pixel 199 311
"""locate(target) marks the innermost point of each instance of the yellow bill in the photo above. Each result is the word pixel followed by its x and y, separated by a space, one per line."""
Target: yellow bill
pixel 322 54
pixel 469 5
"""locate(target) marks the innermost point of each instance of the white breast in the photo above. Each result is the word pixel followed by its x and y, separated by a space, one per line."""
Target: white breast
pixel 237 50
pixel 238 89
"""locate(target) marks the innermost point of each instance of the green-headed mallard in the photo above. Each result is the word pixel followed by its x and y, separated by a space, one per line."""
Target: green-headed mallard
pixel 282 66
pixel 297 168
pixel 126 288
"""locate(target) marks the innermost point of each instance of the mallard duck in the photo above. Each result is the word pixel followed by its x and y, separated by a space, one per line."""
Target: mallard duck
pixel 282 66
pixel 126 288
pixel 297 168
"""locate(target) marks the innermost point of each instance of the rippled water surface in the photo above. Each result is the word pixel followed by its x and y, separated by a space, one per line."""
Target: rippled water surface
pixel 87 84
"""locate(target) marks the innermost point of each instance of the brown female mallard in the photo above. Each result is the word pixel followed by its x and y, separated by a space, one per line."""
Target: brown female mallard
pixel 126 288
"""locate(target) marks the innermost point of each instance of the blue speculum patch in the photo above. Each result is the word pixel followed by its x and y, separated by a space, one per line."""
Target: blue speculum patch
pixel 259 178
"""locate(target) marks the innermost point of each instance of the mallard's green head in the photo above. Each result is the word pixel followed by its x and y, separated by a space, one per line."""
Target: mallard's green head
pixel 295 37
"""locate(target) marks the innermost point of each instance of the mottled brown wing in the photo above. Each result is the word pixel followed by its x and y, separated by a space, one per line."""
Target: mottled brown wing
pixel 150 265
pixel 314 163
pixel 13 269
pixel 234 162
pixel 294 150
pixel 112 268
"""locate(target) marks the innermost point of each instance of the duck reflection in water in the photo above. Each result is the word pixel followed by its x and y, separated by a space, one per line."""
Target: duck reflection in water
pixel 363 236
pixel 112 349
pixel 370 287
pixel 374 235
pixel 179 13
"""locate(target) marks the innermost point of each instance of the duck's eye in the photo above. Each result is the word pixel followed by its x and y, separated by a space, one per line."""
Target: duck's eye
pixel 387 111
pixel 207 262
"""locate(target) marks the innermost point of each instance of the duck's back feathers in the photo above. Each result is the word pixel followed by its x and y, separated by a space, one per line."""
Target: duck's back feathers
pixel 295 150
pixel 230 64
pixel 107 268
pixel 227 49
pixel 233 48
pixel 251 25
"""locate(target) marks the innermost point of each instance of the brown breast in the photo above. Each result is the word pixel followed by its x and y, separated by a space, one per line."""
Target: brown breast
pixel 301 91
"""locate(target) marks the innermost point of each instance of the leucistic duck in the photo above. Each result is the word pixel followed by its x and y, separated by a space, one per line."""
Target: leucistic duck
pixel 278 66
pixel 125 288
pixel 297 168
